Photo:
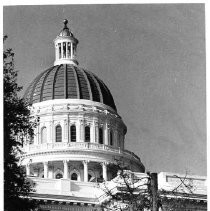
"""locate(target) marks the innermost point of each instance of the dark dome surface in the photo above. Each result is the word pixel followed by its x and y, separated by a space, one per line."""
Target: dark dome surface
pixel 67 81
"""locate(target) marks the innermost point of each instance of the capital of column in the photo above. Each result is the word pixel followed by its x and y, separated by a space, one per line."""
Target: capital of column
pixel 104 163
pixel 65 161
pixel 85 162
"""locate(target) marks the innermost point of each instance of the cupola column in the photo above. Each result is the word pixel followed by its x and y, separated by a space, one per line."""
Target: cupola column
pixel 62 50
pixel 72 53
pixel 56 52
pixel 45 169
pixel 65 169
pixel 85 163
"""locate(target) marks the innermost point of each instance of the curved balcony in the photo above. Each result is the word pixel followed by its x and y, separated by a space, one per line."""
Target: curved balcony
pixel 30 149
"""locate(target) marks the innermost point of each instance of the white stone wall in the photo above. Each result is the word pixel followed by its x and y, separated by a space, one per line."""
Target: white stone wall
pixel 64 114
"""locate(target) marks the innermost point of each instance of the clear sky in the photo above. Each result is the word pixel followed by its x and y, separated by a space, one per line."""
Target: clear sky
pixel 152 58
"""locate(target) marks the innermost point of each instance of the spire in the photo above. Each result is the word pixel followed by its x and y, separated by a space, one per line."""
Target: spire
pixel 65 46
pixel 65 21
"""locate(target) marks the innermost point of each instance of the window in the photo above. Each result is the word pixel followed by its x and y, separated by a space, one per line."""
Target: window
pixel 73 133
pixel 69 50
pixel 100 135
pixel 59 47
pixel 44 135
pixel 58 131
pixel 74 176
pixel 74 50
pixel 111 138
pixel 87 134
pixel 58 176
pixel 64 50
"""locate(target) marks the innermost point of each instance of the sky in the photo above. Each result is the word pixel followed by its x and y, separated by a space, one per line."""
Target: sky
pixel 152 58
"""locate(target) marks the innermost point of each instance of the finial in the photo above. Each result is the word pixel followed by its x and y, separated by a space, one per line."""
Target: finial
pixel 65 21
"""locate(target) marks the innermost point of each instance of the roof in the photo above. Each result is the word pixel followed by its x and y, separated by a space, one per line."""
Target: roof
pixel 67 81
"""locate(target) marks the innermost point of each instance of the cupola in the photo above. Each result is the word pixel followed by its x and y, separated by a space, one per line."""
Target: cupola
pixel 65 47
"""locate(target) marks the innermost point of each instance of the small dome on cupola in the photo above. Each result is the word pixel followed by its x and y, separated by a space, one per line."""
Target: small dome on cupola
pixel 65 47
pixel 65 32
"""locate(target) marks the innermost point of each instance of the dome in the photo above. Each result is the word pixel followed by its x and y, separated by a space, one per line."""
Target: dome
pixel 65 32
pixel 67 81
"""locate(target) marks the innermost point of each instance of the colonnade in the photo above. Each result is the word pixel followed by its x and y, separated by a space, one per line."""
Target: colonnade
pixel 65 50
pixel 65 169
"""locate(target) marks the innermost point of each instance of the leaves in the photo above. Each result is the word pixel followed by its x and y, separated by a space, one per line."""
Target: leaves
pixel 17 125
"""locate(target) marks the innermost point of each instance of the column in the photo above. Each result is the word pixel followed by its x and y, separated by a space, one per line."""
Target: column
pixel 65 169
pixel 62 50
pixel 104 169
pixel 96 132
pixel 56 51
pixel 93 132
pixel 27 169
pixel 72 54
pixel 45 169
pixel 82 129
pixel 85 163
pixel 38 134
pixel 65 130
pixel 78 131
pixel 106 135
pixel 66 49
pixel 49 132
pixel 53 132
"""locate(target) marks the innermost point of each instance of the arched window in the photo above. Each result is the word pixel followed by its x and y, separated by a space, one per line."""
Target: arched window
pixel 73 133
pixel 111 138
pixel 64 50
pixel 58 176
pixel 74 176
pixel 59 48
pixel 69 50
pixel 44 135
pixel 101 136
pixel 87 134
pixel 58 132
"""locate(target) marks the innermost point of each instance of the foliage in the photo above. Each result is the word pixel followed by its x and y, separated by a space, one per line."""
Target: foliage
pixel 178 194
pixel 17 124
pixel 127 191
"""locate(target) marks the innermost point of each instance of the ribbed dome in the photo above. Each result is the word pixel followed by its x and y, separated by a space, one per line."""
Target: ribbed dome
pixel 67 81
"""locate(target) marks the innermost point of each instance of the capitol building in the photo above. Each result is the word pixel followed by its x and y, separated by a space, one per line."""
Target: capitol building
pixel 79 136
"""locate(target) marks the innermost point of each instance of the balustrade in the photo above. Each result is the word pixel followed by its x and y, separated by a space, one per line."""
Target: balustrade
pixel 78 146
